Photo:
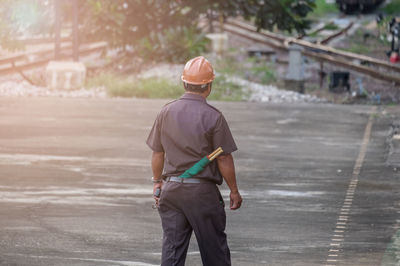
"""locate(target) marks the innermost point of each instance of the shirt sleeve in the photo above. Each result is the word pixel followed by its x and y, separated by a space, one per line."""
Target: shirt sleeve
pixel 154 138
pixel 222 136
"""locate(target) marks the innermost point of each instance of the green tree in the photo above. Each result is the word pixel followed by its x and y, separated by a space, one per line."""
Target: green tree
pixel 284 14
pixel 160 29
pixel 124 22
pixel 168 27
pixel 157 29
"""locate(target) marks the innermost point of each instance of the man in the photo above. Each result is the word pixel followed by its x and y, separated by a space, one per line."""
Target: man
pixel 184 132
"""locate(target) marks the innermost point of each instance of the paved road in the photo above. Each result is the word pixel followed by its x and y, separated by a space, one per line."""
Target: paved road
pixel 75 189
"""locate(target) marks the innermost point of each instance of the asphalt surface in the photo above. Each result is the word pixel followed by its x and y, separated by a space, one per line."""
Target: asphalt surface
pixel 75 184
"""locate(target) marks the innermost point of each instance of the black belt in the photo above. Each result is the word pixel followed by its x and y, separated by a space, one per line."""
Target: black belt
pixel 190 180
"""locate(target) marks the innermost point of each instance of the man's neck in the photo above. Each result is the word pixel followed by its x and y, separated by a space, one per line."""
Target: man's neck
pixel 203 94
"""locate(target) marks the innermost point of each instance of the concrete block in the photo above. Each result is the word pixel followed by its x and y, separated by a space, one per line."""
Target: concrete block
pixel 295 76
pixel 65 75
pixel 219 42
pixel 296 63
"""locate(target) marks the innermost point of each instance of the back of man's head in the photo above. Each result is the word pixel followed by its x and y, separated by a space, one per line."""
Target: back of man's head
pixel 197 88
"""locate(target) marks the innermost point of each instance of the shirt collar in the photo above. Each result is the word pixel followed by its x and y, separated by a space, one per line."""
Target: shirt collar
pixel 193 97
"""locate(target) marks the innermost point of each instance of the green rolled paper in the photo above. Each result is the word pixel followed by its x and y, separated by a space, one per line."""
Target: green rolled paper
pixel 200 165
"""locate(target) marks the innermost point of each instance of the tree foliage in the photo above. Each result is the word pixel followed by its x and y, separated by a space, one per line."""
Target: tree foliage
pixel 163 29
pixel 125 22
pixel 284 14
pixel 167 26
pixel 157 29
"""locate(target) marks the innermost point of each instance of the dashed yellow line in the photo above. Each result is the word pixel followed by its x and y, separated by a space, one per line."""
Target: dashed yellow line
pixel 343 217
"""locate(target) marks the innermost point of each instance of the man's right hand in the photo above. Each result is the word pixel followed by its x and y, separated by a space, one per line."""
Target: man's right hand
pixel 155 186
pixel 235 200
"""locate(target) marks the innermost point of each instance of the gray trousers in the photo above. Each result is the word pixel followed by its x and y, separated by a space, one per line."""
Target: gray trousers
pixel 184 208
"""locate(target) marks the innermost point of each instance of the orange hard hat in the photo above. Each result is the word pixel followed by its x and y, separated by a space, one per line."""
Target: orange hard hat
pixel 198 71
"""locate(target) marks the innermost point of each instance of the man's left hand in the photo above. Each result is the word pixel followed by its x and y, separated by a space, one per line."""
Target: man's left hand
pixel 236 200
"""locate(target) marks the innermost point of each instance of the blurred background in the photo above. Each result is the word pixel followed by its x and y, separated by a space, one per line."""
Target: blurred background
pixel 343 51
pixel 75 170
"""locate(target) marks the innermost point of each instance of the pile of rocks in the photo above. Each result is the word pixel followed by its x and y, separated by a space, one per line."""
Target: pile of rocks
pixel 24 89
pixel 258 92
pixel 270 93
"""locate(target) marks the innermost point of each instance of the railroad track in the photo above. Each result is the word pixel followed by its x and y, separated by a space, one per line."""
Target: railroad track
pixel 31 60
pixel 337 34
pixel 376 68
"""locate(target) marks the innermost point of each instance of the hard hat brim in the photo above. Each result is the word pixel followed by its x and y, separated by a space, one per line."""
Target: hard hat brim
pixel 199 82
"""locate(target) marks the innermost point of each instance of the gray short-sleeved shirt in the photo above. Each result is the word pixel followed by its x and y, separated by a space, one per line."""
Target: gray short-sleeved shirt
pixel 187 130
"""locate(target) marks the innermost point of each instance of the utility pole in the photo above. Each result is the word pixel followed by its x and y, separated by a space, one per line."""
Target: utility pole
pixel 75 31
pixel 57 29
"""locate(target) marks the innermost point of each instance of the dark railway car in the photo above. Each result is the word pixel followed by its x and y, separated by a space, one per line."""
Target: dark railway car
pixel 351 6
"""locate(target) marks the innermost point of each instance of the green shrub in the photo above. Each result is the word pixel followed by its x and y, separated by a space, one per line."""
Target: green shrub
pixel 253 69
pixel 229 66
pixel 120 86
pixel 224 90
pixel 331 26
pixel 358 48
pixel 263 73
pixel 393 8
pixel 322 8
pixel 146 88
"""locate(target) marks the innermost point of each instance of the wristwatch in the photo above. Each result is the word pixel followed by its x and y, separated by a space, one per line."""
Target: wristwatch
pixel 156 180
